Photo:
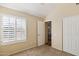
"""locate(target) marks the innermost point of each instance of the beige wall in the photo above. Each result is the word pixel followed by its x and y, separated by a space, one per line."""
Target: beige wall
pixel 56 16
pixel 32 33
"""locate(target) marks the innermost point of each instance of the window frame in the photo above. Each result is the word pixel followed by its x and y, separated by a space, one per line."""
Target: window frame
pixel 15 40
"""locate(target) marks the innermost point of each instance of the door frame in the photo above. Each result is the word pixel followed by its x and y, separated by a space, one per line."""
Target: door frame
pixel 51 30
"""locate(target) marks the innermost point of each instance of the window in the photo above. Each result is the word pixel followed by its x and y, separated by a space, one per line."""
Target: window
pixel 13 29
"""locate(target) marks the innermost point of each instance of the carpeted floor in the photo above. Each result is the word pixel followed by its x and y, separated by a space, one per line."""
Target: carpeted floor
pixel 44 50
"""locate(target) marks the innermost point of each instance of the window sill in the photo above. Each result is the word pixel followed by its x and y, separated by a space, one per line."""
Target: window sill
pixel 12 42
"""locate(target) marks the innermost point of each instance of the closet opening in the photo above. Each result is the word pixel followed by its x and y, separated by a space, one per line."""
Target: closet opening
pixel 48 33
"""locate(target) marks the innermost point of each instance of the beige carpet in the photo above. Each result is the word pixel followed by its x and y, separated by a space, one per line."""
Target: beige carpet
pixel 42 51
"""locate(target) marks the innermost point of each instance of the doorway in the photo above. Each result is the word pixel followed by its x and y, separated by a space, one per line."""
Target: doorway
pixel 48 33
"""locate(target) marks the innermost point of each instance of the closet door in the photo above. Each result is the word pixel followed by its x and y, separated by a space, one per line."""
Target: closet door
pixel 71 35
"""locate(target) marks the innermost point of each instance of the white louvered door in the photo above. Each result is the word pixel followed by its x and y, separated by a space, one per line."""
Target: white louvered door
pixel 71 35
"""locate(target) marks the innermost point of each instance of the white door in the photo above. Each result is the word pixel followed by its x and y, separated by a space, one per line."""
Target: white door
pixel 41 33
pixel 71 35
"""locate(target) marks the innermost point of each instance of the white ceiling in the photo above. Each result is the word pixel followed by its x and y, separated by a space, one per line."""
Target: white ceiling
pixel 36 9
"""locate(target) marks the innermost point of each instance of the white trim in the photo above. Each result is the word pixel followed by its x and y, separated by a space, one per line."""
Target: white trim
pixel 12 42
